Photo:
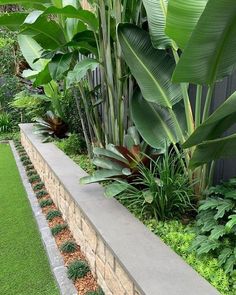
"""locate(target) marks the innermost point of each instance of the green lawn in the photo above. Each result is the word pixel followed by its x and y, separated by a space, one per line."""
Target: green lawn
pixel 24 268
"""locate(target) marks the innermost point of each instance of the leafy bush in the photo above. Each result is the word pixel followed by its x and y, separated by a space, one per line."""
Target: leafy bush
pixel 180 238
pixel 45 203
pixel 34 178
pixel 120 162
pixel 68 247
pixel 58 228
pixel 51 126
pixel 72 145
pixel 98 292
pixel 29 167
pixel 161 191
pixel 5 123
pixel 26 162
pixel 38 186
pixel 41 194
pixel 31 172
pixel 84 162
pixel 77 269
pixel 53 214
pixel 23 158
pixel 216 225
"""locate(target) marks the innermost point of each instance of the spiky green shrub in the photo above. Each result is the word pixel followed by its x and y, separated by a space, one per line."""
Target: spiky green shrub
pixel 77 269
pixel 41 194
pixel 98 292
pixel 34 178
pixel 68 247
pixel 58 228
pixel 23 158
pixel 26 162
pixel 45 203
pixel 31 172
pixel 38 186
pixel 29 167
pixel 53 214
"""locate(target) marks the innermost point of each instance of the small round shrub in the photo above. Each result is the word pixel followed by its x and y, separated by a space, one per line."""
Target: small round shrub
pixel 31 172
pixel 58 228
pixel 22 153
pixel 38 186
pixel 77 269
pixel 41 194
pixel 24 158
pixel 29 167
pixel 98 292
pixel 68 247
pixel 26 162
pixel 34 178
pixel 52 214
pixel 45 203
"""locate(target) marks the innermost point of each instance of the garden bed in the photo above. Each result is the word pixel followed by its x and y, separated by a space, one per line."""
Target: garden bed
pixel 123 254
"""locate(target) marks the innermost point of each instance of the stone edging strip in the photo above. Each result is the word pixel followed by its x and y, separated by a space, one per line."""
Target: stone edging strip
pixel 58 268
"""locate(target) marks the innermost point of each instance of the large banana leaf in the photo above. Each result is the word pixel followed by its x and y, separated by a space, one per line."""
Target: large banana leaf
pixel 156 13
pixel 210 54
pixel 80 71
pixel 182 17
pixel 31 51
pixel 153 122
pixel 208 151
pixel 59 64
pixel 151 68
pixel 47 33
pixel 69 11
pixel 3 2
pixel 13 21
pixel 223 118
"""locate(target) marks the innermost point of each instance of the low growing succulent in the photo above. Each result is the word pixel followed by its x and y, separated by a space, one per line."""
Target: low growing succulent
pixel 34 178
pixel 45 203
pixel 53 214
pixel 41 194
pixel 58 228
pixel 77 269
pixel 68 247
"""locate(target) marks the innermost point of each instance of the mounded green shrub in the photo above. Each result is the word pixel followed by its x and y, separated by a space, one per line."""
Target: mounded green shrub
pixel 53 214
pixel 77 269
pixel 68 247
pixel 41 194
pixel 38 186
pixel 58 228
pixel 34 178
pixel 31 172
pixel 45 203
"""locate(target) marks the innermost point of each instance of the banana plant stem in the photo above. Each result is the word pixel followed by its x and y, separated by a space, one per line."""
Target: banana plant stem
pixel 208 103
pixel 198 106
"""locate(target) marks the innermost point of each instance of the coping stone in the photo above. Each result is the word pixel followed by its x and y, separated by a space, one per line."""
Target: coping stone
pixel 153 266
pixel 66 287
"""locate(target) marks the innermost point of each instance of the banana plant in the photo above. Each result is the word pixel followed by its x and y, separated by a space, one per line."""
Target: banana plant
pixel 163 75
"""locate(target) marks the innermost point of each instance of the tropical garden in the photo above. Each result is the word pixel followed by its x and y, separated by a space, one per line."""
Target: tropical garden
pixel 125 88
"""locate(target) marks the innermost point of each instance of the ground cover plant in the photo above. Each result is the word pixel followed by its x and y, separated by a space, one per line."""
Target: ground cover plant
pixel 25 260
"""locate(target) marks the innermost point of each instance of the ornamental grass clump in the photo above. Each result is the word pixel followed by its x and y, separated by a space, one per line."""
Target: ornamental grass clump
pixel 77 269
pixel 41 194
pixel 34 178
pixel 29 167
pixel 38 186
pixel 68 247
pixel 53 214
pixel 31 172
pixel 58 228
pixel 45 203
